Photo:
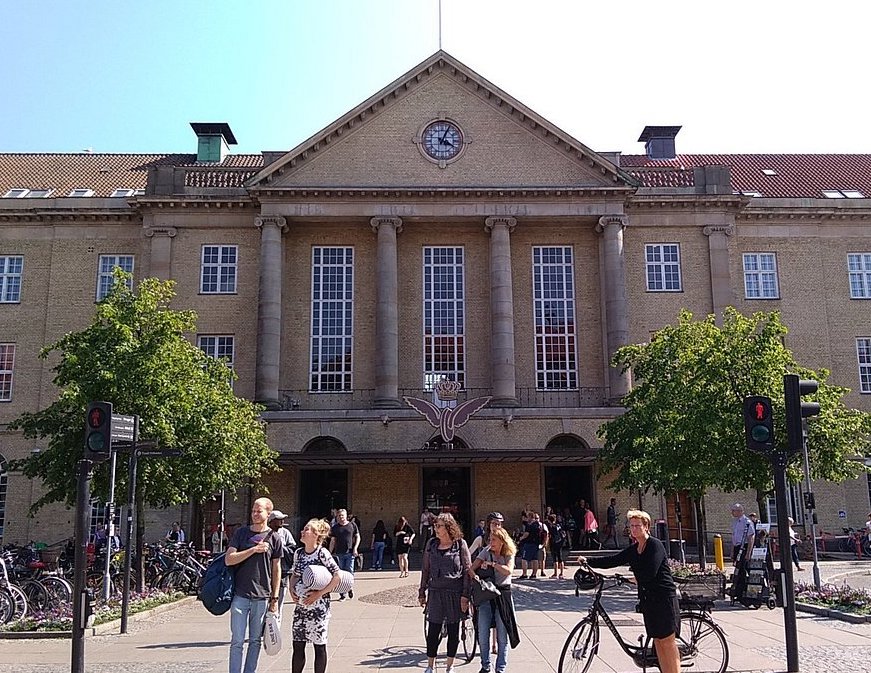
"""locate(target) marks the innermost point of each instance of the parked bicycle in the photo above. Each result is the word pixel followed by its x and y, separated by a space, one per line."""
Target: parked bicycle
pixel 701 644
pixel 468 633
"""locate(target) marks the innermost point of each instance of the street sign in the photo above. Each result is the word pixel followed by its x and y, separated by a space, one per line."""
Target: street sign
pixel 158 453
pixel 122 427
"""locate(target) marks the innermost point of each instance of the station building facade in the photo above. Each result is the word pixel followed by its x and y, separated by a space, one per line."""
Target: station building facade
pixel 440 231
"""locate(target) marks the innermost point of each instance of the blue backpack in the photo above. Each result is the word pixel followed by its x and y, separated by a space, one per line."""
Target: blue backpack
pixel 219 582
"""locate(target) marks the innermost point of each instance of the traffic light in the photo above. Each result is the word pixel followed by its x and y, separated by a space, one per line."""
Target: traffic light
pixel 793 390
pixel 98 430
pixel 758 424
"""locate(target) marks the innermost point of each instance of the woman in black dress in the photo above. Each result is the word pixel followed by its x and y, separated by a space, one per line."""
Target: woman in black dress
pixel 657 592
pixel 403 536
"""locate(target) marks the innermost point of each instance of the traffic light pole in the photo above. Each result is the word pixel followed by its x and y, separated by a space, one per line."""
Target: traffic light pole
pixel 131 534
pixel 110 525
pixel 811 511
pixel 80 563
pixel 778 461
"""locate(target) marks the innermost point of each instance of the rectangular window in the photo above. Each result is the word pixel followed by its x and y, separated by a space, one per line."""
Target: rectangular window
pixel 553 287
pixel 120 191
pixel 216 346
pixel 99 518
pixel 444 322
pixel 11 268
pixel 859 268
pixel 663 267
pixel 105 269
pixel 219 269
pixel 760 275
pixel 332 335
pixel 7 363
pixel 79 193
pixel 863 354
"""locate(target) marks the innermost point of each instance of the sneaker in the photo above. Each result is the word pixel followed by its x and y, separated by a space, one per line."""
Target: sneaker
pixel 484 669
pixel 523 577
pixel 341 597
pixel 350 594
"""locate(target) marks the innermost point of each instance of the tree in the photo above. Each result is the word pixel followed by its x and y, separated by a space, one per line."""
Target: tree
pixel 135 355
pixel 683 426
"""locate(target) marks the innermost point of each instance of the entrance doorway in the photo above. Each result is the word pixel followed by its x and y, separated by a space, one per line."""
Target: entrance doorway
pixel 449 490
pixel 564 485
pixel 320 491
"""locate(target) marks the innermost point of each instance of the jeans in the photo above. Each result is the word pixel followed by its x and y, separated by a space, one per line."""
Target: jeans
pixel 486 614
pixel 246 614
pixel 378 555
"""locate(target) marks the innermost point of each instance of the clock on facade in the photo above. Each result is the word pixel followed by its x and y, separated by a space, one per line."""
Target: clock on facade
pixel 442 140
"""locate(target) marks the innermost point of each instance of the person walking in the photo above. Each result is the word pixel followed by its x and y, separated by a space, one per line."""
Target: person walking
pixel 344 544
pixel 742 533
pixel 445 587
pixel 544 540
pixel 657 593
pixel 379 542
pixel 611 524
pixel 495 562
pixel 793 544
pixel 426 521
pixel 311 616
pixel 276 525
pixel 591 530
pixel 557 538
pixel 256 553
pixel 220 541
pixel 529 543
pixel 403 535
pixel 494 521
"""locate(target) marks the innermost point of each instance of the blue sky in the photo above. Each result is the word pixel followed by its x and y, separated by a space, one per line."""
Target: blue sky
pixel 124 76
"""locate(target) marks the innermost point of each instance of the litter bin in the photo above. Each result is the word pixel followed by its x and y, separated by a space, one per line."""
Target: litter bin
pixel 675 549
pixel 662 530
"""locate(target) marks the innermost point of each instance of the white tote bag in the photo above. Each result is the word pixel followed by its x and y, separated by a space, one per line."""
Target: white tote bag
pixel 272 633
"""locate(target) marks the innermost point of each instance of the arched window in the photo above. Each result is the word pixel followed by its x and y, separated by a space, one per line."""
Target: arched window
pixel 567 443
pixel 324 445
pixel 4 471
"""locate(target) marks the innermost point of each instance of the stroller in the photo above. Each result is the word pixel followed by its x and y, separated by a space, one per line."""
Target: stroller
pixel 751 582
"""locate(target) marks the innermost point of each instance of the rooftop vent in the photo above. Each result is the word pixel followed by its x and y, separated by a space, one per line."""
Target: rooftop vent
pixel 659 141
pixel 213 141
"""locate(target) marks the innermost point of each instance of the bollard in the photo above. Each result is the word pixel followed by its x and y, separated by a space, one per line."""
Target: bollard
pixel 718 552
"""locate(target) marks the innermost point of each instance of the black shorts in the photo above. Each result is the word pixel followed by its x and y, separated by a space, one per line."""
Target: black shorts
pixel 661 617
pixel 556 551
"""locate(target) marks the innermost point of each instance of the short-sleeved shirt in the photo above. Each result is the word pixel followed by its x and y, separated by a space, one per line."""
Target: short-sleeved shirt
pixel 535 533
pixel 498 578
pixel 254 574
pixel 742 529
pixel 344 536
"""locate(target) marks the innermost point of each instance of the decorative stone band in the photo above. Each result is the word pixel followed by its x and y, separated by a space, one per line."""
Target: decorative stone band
pixel 277 220
pixel 491 222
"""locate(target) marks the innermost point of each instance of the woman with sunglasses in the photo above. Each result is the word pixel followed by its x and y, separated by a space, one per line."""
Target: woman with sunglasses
pixel 445 586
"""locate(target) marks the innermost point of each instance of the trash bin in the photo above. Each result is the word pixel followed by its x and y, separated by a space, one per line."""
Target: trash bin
pixel 662 530
pixel 675 547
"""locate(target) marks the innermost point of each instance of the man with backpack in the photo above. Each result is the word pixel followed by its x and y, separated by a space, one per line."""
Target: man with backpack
pixel 255 552
pixel 276 525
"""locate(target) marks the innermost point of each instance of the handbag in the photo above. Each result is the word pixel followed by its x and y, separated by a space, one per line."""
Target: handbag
pixel 483 591
pixel 272 633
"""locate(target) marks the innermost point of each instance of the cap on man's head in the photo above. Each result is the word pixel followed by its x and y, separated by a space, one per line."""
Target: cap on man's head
pixel 738 507
pixel 277 514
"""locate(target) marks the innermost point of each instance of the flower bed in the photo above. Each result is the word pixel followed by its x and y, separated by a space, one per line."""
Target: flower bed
pixel 60 618
pixel 843 597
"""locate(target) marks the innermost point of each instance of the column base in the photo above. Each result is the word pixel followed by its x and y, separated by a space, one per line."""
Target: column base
pixel 271 405
pixel 502 402
pixel 387 403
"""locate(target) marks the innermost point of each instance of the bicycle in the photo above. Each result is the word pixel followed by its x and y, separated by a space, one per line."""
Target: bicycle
pixel 702 644
pixel 468 633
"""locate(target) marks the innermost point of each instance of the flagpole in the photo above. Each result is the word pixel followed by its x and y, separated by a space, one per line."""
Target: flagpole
pixel 440 25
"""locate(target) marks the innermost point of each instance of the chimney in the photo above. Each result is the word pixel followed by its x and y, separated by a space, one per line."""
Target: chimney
pixel 213 141
pixel 659 141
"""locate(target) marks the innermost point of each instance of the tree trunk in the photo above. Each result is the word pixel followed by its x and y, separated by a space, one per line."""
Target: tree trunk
pixel 701 532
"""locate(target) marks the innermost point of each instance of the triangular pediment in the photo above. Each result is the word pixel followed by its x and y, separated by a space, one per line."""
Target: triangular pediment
pixel 378 144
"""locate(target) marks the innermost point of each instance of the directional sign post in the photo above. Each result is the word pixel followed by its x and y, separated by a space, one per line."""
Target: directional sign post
pixel 123 427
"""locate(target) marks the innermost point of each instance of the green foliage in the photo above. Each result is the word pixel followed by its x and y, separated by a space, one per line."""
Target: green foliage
pixel 135 355
pixel 683 426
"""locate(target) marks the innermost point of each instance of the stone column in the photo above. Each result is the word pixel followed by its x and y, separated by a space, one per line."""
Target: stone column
pixel 721 273
pixel 614 291
pixel 386 313
pixel 269 311
pixel 161 251
pixel 501 312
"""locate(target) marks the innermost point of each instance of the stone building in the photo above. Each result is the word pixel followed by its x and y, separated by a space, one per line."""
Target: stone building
pixel 440 231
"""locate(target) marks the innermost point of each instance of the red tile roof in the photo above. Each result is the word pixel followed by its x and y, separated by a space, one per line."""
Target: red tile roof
pixel 797 175
pixel 104 173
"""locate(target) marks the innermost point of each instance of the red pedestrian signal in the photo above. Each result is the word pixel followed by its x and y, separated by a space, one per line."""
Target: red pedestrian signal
pixel 759 424
pixel 98 430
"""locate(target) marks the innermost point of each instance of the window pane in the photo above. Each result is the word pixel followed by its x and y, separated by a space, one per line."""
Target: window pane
pixel 332 324
pixel 554 317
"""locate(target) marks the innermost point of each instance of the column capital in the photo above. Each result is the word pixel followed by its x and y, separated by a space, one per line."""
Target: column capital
pixel 376 222
pixel 605 220
pixel 727 229
pixel 262 220
pixel 171 232
pixel 491 222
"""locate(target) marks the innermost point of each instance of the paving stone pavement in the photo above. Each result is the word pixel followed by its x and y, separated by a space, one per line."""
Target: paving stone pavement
pixel 378 631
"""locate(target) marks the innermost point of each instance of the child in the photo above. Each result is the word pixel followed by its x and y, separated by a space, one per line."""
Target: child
pixel 311 617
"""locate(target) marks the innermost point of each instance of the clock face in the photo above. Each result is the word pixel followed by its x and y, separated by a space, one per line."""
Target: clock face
pixel 442 140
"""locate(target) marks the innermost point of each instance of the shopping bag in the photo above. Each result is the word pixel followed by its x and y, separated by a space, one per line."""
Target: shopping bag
pixel 272 633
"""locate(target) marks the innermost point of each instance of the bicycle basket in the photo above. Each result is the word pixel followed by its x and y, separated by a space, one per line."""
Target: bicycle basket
pixel 585 580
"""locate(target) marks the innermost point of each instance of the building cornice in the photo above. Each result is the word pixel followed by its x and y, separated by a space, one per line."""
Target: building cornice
pixel 385 193
pixel 116 216
pixel 195 202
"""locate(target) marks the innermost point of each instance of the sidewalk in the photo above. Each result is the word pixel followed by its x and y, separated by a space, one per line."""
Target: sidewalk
pixel 382 629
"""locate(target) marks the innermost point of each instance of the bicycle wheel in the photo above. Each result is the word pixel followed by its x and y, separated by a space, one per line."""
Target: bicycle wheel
pixel 7 606
pixel 36 594
pixel 174 580
pixel 469 636
pixel 20 599
pixel 702 644
pixel 580 648
pixel 59 590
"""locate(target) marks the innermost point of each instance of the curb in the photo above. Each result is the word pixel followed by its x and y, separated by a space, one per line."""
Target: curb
pixel 823 611
pixel 99 630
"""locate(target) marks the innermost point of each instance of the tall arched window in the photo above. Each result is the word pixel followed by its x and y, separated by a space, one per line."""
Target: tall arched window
pixel 4 471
